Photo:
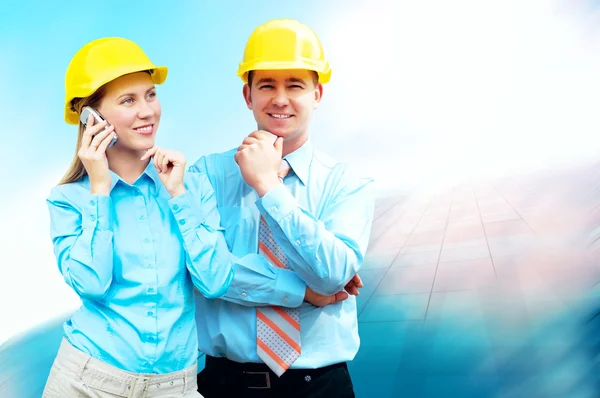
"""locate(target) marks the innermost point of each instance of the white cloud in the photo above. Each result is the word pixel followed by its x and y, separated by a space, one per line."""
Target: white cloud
pixel 447 90
pixel 31 288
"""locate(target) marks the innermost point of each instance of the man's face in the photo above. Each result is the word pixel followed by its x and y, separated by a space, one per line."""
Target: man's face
pixel 282 102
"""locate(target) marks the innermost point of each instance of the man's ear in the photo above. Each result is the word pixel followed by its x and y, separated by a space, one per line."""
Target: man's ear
pixel 318 95
pixel 247 96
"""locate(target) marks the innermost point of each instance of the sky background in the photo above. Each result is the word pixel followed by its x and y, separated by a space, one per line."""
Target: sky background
pixel 423 94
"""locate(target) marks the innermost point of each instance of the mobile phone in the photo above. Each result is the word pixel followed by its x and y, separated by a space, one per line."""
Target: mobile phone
pixel 85 113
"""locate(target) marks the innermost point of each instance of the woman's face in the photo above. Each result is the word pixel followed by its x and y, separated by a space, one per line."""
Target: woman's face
pixel 130 104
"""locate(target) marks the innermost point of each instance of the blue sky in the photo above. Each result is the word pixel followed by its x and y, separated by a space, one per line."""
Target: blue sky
pixel 427 93
pixel 201 42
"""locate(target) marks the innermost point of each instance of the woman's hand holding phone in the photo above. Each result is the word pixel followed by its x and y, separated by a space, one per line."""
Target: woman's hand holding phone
pixel 93 155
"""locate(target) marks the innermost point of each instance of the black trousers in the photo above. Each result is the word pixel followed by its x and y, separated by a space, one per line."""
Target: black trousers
pixel 224 378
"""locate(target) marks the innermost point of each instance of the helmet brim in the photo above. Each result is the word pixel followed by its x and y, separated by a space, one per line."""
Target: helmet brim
pixel 158 75
pixel 324 71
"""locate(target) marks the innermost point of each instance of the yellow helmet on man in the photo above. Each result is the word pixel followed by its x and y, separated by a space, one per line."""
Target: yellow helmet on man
pixel 284 44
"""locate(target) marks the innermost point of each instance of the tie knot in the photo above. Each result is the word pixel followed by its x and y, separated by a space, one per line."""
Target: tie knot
pixel 284 169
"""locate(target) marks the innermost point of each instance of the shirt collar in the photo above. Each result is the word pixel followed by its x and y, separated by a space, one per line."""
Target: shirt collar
pixel 300 159
pixel 150 171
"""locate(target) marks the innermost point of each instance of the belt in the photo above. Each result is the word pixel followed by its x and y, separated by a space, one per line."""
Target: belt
pixel 260 376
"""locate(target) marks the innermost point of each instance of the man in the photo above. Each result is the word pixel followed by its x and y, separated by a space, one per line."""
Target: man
pixel 306 213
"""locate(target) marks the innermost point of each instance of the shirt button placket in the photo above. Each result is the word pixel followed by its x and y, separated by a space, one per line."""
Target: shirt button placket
pixel 149 259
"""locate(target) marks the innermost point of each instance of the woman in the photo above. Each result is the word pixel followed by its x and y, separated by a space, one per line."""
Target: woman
pixel 130 237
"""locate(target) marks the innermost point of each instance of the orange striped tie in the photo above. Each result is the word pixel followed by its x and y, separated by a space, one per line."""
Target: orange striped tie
pixel 277 328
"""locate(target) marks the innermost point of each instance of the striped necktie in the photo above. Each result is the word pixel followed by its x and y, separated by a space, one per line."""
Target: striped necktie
pixel 277 328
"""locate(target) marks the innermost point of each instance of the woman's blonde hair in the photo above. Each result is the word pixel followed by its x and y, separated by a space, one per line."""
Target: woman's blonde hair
pixel 76 170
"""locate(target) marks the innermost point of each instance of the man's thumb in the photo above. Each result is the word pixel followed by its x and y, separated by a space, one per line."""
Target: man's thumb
pixel 340 296
pixel 279 144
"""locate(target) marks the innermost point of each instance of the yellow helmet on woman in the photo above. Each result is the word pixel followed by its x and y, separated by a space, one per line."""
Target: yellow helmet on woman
pixel 101 61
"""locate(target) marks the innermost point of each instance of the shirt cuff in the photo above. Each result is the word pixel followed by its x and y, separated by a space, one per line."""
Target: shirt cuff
pixel 186 212
pixel 97 213
pixel 289 289
pixel 278 203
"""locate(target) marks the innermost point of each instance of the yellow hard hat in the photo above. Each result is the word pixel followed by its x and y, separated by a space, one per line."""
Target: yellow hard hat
pixel 284 44
pixel 101 61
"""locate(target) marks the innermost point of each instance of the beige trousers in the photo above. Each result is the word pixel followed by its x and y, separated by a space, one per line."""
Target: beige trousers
pixel 75 374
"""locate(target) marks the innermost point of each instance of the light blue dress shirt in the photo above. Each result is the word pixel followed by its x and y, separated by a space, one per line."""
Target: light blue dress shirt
pixel 134 258
pixel 321 217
